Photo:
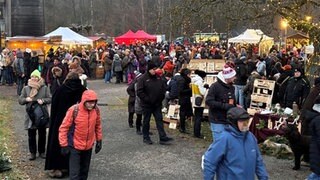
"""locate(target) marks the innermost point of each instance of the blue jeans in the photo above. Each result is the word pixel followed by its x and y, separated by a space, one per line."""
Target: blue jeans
pixel 107 76
pixel 217 130
pixel 239 94
pixel 313 176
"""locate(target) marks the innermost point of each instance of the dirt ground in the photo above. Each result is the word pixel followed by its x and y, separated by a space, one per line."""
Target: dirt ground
pixel 124 155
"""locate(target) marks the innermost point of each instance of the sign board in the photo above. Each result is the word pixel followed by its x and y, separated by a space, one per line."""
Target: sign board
pixel 261 97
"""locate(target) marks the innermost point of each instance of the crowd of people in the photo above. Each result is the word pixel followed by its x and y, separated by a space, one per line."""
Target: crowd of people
pixel 157 76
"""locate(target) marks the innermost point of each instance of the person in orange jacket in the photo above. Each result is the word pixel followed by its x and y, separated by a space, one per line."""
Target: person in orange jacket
pixel 80 128
pixel 168 65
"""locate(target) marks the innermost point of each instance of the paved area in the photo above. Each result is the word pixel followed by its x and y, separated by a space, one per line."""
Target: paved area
pixel 125 156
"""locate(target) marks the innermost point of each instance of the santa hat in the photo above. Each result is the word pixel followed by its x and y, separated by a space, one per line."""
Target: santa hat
pixel 228 72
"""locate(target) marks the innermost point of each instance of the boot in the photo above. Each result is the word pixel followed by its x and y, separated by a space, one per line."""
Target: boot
pixel 32 156
pixel 139 131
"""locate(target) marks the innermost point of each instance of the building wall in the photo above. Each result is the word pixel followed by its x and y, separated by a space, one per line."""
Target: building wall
pixel 27 18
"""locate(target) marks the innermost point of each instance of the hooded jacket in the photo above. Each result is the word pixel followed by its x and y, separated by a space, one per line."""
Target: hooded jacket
pixel 235 155
pixel 82 131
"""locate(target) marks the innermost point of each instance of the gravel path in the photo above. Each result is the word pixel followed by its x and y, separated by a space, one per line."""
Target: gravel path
pixel 125 156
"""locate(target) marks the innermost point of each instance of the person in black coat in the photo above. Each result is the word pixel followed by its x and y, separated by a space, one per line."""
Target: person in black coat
pixel 281 84
pixel 307 107
pixel 131 103
pixel 315 142
pixel 185 93
pixel 64 97
pixel 151 91
pixel 297 89
pixel 241 80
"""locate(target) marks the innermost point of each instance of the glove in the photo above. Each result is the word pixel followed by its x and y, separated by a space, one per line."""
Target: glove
pixel 98 147
pixel 65 151
pixel 206 86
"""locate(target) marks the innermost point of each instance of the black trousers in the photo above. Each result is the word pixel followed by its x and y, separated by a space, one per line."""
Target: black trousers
pixel 185 111
pixel 198 113
pixel 138 120
pixel 32 139
pixel 119 77
pixel 79 163
pixel 156 112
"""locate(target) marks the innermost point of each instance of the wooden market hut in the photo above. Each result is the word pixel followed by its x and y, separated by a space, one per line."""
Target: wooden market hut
pixel 298 39
pixel 98 41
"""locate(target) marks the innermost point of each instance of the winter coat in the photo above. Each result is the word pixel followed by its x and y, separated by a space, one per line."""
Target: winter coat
pixel 315 145
pixel 125 62
pixel 183 83
pixel 151 90
pixel 172 88
pixel 281 85
pixel 116 65
pixel 297 90
pixel 132 96
pixel 65 96
pixel 248 88
pixel 107 64
pixel 235 155
pixel 132 64
pixel 218 100
pixel 242 73
pixel 168 67
pixel 137 103
pixel 82 131
pixel 43 93
pixel 307 109
pixel 34 63
pixel 261 68
pixel 198 81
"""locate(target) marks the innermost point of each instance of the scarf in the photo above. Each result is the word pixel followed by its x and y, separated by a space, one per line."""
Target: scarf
pixel 35 86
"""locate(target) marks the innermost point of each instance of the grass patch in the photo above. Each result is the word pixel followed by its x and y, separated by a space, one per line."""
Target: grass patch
pixel 8 145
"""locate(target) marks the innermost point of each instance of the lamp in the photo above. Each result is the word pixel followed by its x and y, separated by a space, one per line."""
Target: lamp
pixel 284 25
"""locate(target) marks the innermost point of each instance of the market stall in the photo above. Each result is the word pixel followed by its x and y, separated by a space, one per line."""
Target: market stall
pixel 131 37
pixel 254 36
pixel 98 41
pixel 69 37
pixel 297 40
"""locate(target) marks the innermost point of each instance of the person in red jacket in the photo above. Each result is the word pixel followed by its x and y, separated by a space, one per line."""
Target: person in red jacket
pixel 80 128
pixel 168 65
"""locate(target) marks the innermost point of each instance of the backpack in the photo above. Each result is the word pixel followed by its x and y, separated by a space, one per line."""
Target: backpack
pixel 38 114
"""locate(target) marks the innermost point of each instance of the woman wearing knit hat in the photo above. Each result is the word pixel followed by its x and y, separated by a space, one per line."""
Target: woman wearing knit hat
pixel 35 92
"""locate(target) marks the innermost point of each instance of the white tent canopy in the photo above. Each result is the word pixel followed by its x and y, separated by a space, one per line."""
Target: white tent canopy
pixel 250 36
pixel 69 36
pixel 254 36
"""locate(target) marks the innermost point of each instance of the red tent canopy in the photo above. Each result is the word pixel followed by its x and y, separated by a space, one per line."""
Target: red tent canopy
pixel 143 35
pixel 126 38
pixel 131 37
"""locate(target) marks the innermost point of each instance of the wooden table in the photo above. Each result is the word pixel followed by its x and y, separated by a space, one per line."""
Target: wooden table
pixel 263 133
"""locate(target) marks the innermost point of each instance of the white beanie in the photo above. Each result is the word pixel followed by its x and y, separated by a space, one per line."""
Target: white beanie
pixel 228 72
